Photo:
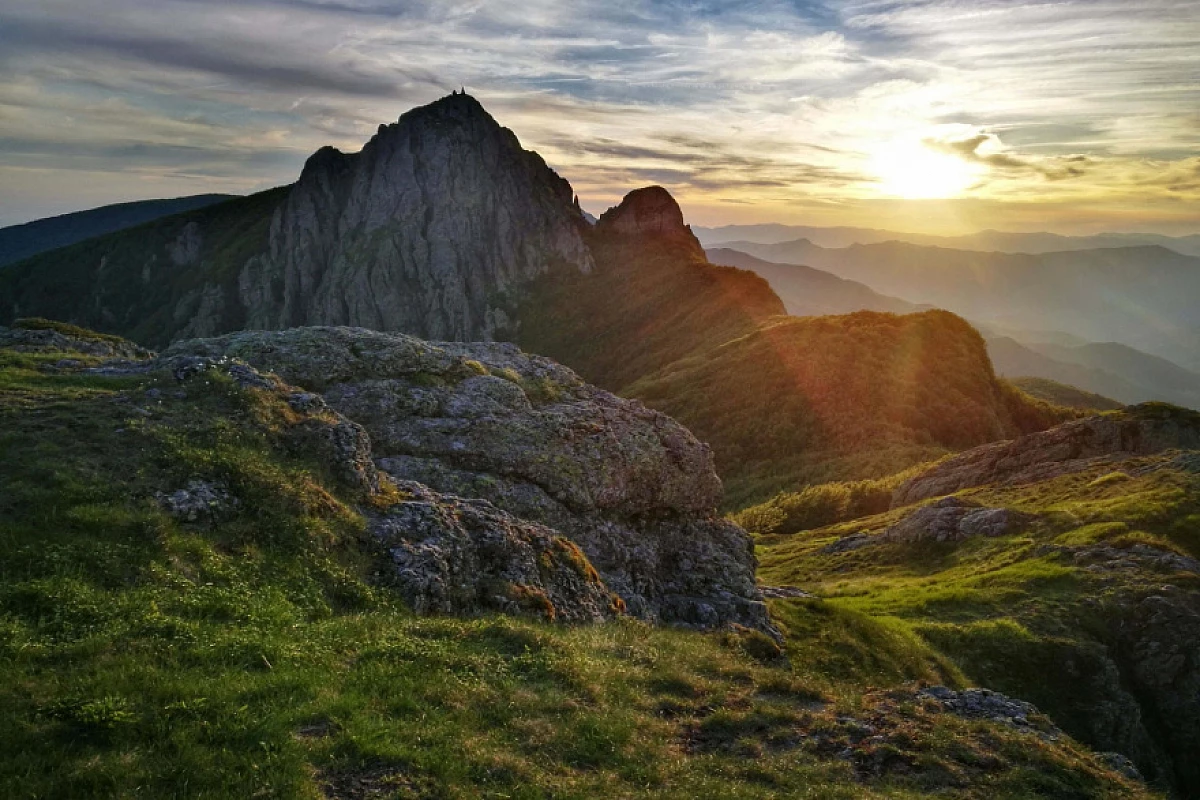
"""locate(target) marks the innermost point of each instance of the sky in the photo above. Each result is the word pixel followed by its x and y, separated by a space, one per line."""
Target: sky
pixel 937 116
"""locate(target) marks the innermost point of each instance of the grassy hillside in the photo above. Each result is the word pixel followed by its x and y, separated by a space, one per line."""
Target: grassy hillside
pixel 131 282
pixel 19 242
pixel 1048 612
pixel 1064 395
pixel 807 400
pixel 254 651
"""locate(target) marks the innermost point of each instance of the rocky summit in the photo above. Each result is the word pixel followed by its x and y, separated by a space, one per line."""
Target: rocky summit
pixel 424 231
pixel 632 488
pixel 650 211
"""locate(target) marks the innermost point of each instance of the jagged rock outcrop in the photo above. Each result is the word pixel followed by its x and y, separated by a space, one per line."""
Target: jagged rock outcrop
pixel 454 556
pixel 650 211
pixel 953 519
pixel 634 489
pixel 424 231
pixel 1070 447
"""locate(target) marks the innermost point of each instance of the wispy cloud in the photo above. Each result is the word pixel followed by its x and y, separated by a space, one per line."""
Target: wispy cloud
pixel 747 109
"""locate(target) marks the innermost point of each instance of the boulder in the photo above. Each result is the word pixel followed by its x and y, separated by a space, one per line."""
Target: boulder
pixel 631 487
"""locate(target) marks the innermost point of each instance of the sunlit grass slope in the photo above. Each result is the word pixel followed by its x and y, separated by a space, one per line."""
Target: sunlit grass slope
pixel 812 399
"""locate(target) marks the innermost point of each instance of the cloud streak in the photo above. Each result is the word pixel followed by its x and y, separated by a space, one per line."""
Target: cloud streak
pixel 771 109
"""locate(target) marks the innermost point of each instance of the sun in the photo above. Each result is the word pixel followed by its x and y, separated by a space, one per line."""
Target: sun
pixel 911 170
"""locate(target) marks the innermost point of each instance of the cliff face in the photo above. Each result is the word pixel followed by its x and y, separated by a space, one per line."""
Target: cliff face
pixel 433 229
pixel 427 230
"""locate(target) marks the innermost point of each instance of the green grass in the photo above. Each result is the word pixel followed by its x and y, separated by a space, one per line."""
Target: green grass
pixel 1009 612
pixel 257 654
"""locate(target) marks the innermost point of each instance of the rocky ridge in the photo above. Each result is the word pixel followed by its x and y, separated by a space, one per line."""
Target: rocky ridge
pixel 1138 430
pixel 434 228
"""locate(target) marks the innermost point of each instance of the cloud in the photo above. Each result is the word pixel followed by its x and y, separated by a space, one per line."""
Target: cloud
pixel 768 106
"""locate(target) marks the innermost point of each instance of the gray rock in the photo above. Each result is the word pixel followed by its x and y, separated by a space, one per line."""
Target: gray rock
pixel 783 592
pixel 953 519
pixel 855 541
pixel 49 340
pixel 433 228
pixel 984 704
pixel 456 556
pixel 635 490
pixel 199 501
pixel 1121 764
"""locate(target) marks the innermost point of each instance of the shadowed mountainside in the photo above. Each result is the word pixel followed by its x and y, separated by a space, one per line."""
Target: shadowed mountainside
pixel 18 242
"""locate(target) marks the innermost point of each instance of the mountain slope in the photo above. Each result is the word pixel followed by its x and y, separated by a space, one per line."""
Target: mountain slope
pixel 808 292
pixel 809 399
pixel 652 299
pixel 431 229
pixel 1159 378
pixel 1109 369
pixel 19 242
pixel 1061 394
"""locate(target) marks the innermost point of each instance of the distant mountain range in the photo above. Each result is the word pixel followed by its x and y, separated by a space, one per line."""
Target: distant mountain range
pixel 1002 241
pixel 18 242
pixel 1110 369
pixel 1141 296
pixel 808 292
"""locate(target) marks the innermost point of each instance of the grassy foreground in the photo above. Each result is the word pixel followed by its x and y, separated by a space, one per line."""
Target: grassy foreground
pixel 1037 614
pixel 253 654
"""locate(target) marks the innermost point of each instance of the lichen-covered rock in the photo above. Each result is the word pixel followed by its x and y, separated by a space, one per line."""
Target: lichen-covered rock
pixel 983 704
pixel 456 556
pixel 1073 446
pixel 953 519
pixel 634 489
pixel 199 501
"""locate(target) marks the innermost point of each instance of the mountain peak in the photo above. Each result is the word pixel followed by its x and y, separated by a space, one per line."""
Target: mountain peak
pixel 650 211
